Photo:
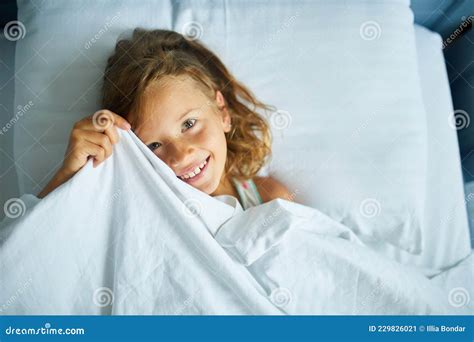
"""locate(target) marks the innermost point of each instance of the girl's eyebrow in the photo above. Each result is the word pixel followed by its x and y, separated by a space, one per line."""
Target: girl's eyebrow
pixel 181 116
pixel 186 113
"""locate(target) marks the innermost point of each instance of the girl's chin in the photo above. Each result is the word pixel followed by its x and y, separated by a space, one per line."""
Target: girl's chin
pixel 207 188
pixel 210 187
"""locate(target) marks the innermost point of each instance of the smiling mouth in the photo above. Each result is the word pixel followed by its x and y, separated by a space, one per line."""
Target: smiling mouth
pixel 197 173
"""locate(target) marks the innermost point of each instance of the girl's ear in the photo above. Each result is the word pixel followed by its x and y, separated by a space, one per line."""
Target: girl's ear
pixel 226 122
pixel 220 99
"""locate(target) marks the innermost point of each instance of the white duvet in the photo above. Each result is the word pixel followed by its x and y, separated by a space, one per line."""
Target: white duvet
pixel 130 238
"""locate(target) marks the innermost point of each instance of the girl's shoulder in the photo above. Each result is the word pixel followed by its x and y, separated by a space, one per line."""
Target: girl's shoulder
pixel 270 188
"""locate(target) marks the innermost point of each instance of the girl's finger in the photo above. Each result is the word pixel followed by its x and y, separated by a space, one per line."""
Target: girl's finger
pixel 113 135
pixel 88 149
pixel 99 139
pixel 103 119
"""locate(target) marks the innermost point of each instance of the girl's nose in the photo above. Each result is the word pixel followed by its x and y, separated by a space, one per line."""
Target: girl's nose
pixel 178 154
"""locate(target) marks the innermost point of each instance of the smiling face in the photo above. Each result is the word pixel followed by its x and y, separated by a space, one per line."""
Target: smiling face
pixel 185 128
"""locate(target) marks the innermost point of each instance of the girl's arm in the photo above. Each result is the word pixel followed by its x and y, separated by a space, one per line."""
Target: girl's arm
pixel 92 136
pixel 59 178
pixel 270 188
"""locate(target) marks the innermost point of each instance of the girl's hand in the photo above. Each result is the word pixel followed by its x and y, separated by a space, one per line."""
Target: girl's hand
pixel 92 136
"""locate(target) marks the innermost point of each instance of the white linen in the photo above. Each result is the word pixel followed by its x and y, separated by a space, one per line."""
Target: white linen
pixel 350 134
pixel 445 233
pixel 446 237
pixel 459 280
pixel 129 237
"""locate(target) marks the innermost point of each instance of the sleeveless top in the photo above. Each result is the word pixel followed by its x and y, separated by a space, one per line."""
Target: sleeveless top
pixel 248 193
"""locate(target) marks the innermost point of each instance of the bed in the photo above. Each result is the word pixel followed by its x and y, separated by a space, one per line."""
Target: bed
pixel 424 208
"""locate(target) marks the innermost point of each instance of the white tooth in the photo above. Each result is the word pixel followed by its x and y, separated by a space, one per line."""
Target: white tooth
pixel 186 176
pixel 197 170
pixel 201 166
pixel 191 175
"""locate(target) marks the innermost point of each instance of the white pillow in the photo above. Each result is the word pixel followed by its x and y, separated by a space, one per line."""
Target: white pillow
pixel 59 66
pixel 343 75
pixel 446 238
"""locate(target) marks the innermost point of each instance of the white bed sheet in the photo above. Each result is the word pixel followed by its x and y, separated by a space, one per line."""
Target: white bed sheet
pixel 155 245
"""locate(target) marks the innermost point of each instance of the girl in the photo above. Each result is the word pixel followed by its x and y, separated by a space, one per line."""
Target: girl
pixel 183 103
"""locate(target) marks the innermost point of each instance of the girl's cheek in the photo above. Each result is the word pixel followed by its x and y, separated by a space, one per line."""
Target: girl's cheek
pixel 206 136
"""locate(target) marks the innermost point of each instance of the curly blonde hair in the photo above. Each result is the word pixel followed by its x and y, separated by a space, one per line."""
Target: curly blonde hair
pixel 151 55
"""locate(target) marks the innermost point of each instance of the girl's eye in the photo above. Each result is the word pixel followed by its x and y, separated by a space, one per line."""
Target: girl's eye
pixel 189 124
pixel 154 145
pixel 186 125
